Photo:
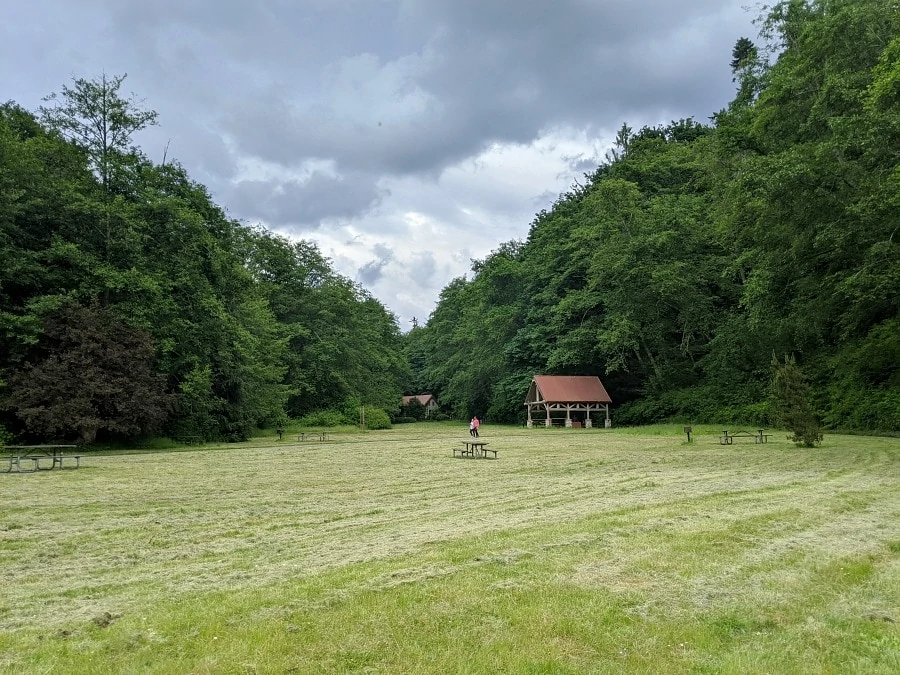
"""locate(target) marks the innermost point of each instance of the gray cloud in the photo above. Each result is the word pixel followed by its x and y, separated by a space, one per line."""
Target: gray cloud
pixel 486 74
pixel 422 268
pixel 371 272
pixel 303 204
pixel 581 163
pixel 377 120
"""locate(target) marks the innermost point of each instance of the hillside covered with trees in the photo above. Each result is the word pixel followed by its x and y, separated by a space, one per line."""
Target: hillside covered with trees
pixel 692 260
pixel 699 254
pixel 132 305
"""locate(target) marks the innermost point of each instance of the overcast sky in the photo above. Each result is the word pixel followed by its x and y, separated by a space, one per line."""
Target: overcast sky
pixel 405 137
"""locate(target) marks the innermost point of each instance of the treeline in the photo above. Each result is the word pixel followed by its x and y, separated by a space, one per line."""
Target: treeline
pixel 132 305
pixel 698 255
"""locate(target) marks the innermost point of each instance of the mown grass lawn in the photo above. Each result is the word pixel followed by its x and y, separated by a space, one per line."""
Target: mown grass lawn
pixel 576 551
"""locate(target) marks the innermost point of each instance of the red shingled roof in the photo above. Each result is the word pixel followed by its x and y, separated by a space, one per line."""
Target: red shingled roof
pixel 424 399
pixel 569 389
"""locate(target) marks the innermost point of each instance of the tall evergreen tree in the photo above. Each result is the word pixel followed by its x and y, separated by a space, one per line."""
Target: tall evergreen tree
pixel 791 403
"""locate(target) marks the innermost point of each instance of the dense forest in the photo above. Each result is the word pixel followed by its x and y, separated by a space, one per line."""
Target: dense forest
pixel 695 257
pixel 698 255
pixel 132 305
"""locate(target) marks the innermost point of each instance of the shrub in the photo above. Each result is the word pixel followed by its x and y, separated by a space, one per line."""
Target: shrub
pixel 322 418
pixel 350 409
pixel 376 418
pixel 404 420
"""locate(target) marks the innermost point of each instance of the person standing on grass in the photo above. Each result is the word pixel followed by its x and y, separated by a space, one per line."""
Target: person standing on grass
pixel 472 427
pixel 477 424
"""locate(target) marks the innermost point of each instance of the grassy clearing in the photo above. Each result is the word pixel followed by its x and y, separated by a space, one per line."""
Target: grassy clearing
pixel 577 551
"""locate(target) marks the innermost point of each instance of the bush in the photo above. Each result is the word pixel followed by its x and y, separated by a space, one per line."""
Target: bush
pixel 865 409
pixel 439 417
pixel 323 418
pixel 350 409
pixel 404 420
pixel 376 418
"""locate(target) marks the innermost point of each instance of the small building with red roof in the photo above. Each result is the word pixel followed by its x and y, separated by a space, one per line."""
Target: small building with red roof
pixel 552 396
pixel 428 400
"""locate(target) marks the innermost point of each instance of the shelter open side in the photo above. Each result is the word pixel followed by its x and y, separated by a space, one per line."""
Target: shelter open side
pixel 575 395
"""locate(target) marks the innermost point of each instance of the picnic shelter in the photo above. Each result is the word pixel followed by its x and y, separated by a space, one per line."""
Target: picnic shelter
pixel 575 396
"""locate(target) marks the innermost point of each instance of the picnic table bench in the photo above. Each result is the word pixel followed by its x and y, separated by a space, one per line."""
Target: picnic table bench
pixel 474 449
pixel 313 436
pixel 35 454
pixel 758 436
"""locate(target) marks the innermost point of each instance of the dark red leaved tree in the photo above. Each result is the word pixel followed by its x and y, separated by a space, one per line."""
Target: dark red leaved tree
pixel 94 373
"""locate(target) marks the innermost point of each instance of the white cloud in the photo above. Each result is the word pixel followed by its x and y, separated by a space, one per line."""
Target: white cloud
pixel 427 231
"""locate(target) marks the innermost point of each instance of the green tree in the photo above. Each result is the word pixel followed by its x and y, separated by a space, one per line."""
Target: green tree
pixel 791 403
pixel 743 51
pixel 816 183
pixel 620 145
pixel 245 325
pixel 45 196
pixel 94 116
pixel 749 70
pixel 414 409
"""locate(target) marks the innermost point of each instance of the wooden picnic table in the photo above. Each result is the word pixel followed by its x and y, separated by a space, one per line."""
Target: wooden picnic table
pixel 35 454
pixel 313 436
pixel 759 436
pixel 474 449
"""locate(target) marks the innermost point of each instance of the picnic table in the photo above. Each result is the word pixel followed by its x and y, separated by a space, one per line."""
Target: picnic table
pixel 474 449
pixel 38 456
pixel 759 436
pixel 313 436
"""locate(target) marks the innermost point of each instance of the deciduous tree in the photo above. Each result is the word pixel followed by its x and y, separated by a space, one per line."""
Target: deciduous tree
pixel 96 375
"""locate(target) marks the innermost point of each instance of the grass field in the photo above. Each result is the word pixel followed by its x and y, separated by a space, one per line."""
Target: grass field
pixel 577 551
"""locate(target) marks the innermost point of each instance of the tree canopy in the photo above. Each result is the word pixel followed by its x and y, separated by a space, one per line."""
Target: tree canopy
pixel 123 286
pixel 696 251
pixel 692 259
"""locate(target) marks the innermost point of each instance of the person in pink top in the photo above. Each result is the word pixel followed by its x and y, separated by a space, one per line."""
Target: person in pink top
pixel 476 424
